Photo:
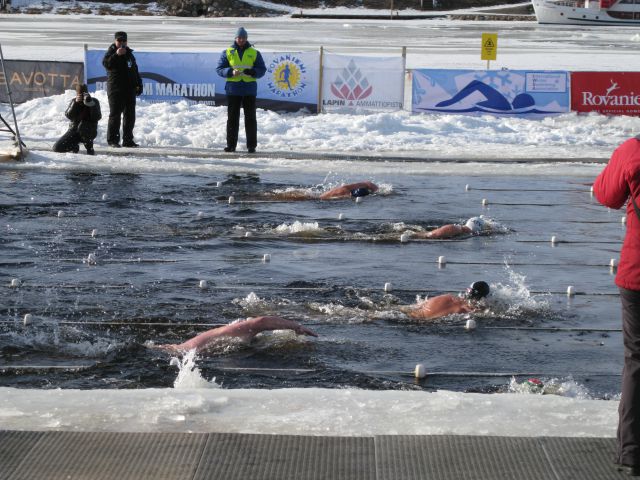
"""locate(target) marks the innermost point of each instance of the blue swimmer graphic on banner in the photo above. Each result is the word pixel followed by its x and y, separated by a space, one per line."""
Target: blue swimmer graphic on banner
pixel 502 92
pixel 494 99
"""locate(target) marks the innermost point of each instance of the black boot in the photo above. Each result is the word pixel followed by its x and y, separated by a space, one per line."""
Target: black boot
pixel 89 147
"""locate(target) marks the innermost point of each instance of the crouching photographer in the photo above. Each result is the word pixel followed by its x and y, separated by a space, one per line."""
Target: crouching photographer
pixel 84 113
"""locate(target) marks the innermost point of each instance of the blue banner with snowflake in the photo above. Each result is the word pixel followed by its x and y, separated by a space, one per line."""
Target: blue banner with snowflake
pixel 496 92
pixel 352 84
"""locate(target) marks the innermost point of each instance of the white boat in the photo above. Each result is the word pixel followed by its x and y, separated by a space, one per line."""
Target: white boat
pixel 588 12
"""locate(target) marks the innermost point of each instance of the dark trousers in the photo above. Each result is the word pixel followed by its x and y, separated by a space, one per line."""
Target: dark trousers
pixel 629 408
pixel 121 105
pixel 248 104
pixel 70 142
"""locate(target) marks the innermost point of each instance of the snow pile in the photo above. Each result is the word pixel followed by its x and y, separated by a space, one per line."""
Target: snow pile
pixel 183 126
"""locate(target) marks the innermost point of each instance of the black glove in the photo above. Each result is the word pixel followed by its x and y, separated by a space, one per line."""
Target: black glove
pixel 250 71
pixel 138 91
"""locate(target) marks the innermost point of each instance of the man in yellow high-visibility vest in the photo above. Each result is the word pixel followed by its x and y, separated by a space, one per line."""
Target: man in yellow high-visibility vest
pixel 241 65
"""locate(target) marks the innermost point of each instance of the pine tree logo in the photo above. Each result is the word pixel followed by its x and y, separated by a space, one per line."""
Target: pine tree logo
pixel 351 84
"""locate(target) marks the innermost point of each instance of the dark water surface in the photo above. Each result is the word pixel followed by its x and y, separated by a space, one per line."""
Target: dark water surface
pixel 159 235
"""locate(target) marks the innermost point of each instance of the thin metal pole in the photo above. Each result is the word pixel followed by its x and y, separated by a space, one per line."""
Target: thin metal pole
pixel 13 112
pixel 404 71
pixel 320 80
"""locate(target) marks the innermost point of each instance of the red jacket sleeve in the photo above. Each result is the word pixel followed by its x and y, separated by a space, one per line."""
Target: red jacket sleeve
pixel 611 187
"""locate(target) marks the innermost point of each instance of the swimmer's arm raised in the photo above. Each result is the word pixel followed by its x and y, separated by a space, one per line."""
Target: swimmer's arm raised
pixel 244 330
pixel 253 326
pixel 446 231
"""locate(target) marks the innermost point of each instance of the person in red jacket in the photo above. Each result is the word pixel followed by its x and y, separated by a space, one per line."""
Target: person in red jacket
pixel 617 184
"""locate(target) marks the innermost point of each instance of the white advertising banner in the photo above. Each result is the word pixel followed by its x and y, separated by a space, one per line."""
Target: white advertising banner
pixel 291 80
pixel 352 84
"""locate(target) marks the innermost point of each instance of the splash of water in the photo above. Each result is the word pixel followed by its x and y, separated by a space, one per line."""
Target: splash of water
pixel 189 375
pixel 298 227
pixel 337 313
pixel 551 386
pixel 385 189
pixel 250 301
pixel 332 180
pixel 403 227
pixel 65 340
pixel 295 192
pixel 493 226
pixel 514 297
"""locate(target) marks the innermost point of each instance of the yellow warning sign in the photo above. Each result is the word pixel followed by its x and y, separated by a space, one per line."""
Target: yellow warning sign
pixel 489 46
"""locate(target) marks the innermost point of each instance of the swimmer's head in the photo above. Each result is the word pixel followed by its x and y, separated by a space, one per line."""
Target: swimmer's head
pixel 360 192
pixel 475 224
pixel 478 290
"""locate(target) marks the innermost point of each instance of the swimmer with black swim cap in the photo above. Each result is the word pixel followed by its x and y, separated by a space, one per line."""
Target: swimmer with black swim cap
pixel 473 226
pixel 354 190
pixel 447 304
pixel 478 290
pixel 360 192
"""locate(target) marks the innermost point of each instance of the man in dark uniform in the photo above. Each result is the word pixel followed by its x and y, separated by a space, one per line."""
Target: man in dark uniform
pixel 84 113
pixel 241 65
pixel 123 85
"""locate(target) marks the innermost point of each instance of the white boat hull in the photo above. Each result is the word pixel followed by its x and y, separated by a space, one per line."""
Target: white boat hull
pixel 551 12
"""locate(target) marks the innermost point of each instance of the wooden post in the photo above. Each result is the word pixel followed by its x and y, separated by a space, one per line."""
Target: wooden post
pixel 84 60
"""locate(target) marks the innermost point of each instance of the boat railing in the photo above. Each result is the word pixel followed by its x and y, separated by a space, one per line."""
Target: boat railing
pixel 568 3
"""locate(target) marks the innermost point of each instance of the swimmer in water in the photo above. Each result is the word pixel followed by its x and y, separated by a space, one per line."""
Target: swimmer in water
pixel 448 304
pixel 352 190
pixel 473 226
pixel 244 330
pixel 359 189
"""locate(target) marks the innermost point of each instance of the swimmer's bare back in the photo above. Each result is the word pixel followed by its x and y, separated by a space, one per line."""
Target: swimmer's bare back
pixel 438 307
pixel 293 195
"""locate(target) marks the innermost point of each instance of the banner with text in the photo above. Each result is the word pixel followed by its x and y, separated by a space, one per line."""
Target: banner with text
pixel 167 77
pixel 35 79
pixel 496 92
pixel 291 81
pixel 611 93
pixel 351 84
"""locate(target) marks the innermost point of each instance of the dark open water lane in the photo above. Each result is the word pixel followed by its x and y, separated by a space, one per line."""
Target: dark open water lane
pixel 157 236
